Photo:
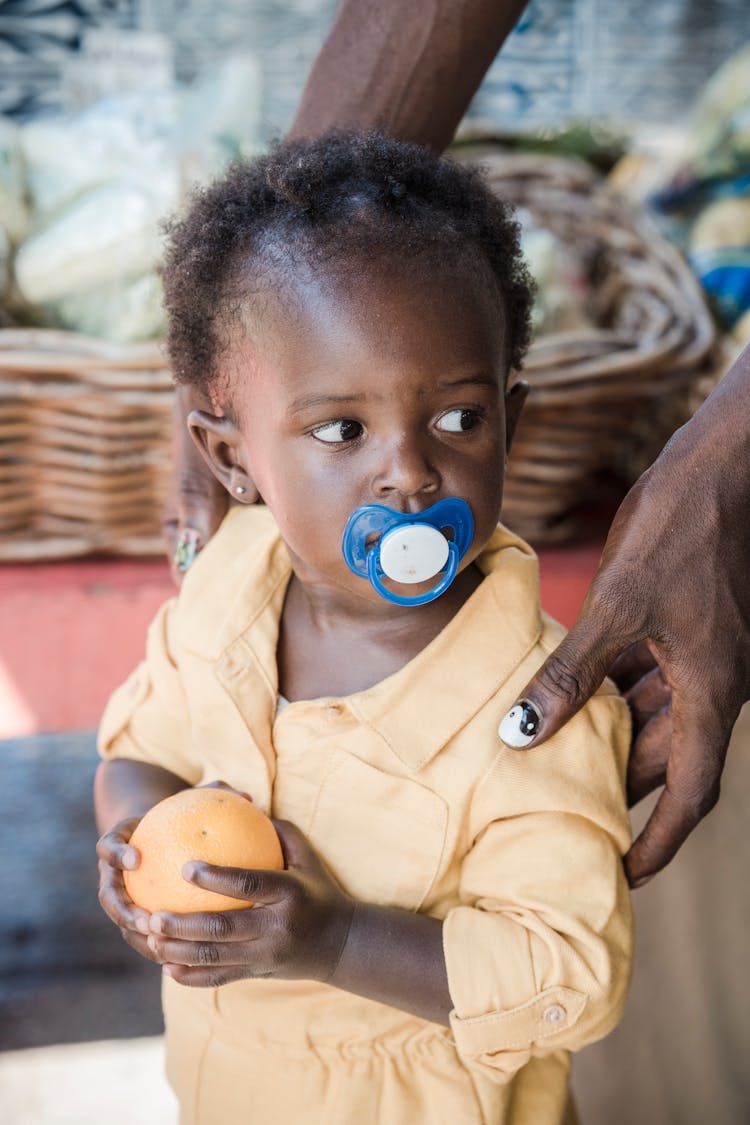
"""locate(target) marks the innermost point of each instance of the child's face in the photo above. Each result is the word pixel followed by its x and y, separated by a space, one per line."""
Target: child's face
pixel 384 390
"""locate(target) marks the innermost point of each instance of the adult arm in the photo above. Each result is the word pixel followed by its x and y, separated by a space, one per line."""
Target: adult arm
pixel 674 573
pixel 408 69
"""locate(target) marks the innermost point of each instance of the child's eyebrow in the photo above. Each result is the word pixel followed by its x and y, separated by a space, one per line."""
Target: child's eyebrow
pixel 311 402
pixel 308 402
pixel 479 379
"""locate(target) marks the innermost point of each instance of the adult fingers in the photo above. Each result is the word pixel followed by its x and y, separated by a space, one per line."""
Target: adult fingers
pixel 632 665
pixel 569 676
pixel 201 505
pixel 196 502
pixel 647 764
pixel 648 696
pixel 700 737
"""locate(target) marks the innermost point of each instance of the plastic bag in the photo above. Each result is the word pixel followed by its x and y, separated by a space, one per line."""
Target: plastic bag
pixel 101 183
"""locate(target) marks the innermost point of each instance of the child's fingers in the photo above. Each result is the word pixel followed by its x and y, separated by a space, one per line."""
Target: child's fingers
pixel 206 976
pixel 113 847
pixel 227 787
pixel 139 942
pixel 116 903
pixel 220 925
pixel 249 886
pixel 171 951
pixel 298 851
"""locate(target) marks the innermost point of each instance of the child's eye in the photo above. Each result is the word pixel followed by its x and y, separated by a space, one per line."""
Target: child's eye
pixel 458 421
pixel 336 433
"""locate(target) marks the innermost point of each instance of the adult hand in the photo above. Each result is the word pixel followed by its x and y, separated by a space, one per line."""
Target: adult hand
pixel 674 573
pixel 196 502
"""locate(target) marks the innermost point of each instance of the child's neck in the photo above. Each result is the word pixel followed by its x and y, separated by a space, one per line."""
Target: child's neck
pixel 327 649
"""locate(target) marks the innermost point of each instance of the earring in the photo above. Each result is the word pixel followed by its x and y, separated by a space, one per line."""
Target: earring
pixel 240 490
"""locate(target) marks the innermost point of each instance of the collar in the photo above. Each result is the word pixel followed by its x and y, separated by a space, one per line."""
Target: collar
pixel 420 708
pixel 417 710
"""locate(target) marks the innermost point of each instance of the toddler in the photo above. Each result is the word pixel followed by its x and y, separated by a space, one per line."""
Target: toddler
pixel 453 916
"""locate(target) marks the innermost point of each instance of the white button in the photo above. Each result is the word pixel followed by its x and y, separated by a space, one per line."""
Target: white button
pixel 333 709
pixel 413 553
pixel 554 1014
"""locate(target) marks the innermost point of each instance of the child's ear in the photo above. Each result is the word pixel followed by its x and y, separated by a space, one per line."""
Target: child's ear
pixel 218 440
pixel 515 397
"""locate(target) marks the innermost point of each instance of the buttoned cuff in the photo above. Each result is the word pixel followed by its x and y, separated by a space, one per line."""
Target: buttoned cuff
pixel 500 1014
pixel 548 1014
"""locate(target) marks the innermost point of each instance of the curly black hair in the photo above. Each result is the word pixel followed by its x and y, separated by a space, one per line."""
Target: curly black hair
pixel 328 203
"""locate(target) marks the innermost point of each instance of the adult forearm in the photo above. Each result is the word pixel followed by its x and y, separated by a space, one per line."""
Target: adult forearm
pixel 408 69
pixel 397 958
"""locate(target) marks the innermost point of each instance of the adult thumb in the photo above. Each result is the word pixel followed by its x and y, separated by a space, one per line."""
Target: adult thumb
pixel 567 679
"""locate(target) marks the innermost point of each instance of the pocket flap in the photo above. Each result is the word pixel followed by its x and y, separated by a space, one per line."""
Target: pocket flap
pixel 381 835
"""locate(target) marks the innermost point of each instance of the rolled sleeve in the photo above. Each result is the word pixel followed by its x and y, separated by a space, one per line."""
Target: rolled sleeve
pixel 147 718
pixel 538 951
pixel 544 962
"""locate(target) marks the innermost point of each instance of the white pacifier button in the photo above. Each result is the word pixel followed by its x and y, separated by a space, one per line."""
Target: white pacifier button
pixel 413 553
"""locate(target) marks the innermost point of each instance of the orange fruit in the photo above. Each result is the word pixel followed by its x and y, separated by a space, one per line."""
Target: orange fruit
pixel 214 825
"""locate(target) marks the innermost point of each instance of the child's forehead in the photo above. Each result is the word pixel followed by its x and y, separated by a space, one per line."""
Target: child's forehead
pixel 338 331
pixel 386 285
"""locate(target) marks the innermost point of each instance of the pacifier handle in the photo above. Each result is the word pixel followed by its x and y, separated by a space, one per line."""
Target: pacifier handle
pixel 439 588
pixel 375 520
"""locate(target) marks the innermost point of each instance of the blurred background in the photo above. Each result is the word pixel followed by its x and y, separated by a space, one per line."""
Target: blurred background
pixel 621 131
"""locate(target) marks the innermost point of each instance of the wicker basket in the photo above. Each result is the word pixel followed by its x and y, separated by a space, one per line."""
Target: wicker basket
pixel 84 445
pixel 603 399
pixel 84 426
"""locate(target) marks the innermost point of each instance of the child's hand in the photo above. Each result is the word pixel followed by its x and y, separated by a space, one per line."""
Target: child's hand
pixel 115 854
pixel 297 929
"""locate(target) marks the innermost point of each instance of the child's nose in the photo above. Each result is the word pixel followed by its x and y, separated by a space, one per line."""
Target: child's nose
pixel 405 472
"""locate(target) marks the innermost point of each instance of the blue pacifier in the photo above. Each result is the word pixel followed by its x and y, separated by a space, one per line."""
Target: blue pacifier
pixel 410 547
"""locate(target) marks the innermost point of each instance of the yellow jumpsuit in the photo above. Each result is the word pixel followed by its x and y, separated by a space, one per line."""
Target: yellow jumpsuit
pixel 411 799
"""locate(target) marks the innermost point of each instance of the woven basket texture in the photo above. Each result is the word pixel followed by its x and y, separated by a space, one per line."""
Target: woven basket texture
pixel 84 445
pixel 85 425
pixel 605 398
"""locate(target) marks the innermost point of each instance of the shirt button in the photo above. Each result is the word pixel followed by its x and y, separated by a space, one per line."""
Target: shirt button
pixel 554 1014
pixel 333 710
